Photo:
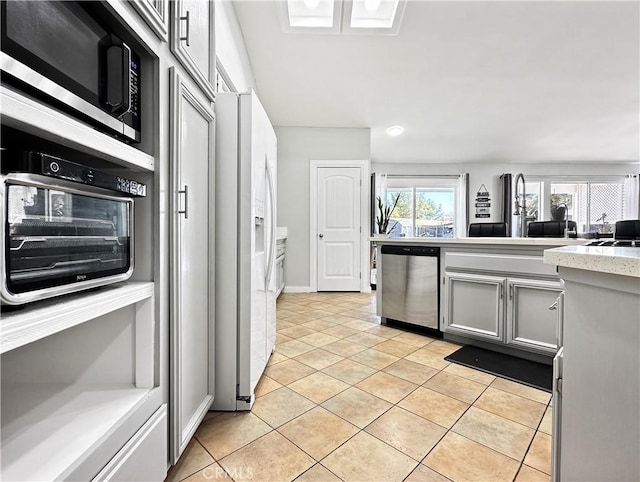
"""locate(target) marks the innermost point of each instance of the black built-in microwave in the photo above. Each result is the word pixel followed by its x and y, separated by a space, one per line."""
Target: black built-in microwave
pixel 66 227
pixel 67 52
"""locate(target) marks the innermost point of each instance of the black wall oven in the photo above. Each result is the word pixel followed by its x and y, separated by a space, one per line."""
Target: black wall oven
pixel 67 52
pixel 61 235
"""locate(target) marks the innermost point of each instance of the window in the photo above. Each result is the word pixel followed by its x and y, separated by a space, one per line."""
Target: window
pixel 427 207
pixel 595 204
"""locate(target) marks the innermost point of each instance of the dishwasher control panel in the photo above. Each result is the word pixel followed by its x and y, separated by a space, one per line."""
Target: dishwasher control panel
pixel 411 250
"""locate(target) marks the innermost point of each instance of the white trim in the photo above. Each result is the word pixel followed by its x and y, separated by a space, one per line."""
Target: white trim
pixel 297 289
pixel 365 170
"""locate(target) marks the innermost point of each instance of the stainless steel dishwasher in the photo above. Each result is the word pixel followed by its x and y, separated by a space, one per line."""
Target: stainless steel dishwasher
pixel 409 290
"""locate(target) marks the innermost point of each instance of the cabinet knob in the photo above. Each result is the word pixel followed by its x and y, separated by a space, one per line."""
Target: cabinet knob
pixel 321 235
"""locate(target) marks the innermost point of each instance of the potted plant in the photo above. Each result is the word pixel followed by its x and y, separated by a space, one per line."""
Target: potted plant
pixel 384 216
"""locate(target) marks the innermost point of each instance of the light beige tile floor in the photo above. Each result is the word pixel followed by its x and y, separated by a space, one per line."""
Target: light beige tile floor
pixel 346 398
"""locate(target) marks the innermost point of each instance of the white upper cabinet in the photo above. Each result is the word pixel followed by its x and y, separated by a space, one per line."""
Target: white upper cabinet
pixel 193 40
pixel 156 14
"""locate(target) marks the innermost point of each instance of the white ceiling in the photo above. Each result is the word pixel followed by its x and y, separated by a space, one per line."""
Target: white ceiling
pixel 470 81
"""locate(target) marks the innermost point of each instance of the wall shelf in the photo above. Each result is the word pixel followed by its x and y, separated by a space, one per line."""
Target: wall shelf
pixel 48 317
pixel 50 430
pixel 28 115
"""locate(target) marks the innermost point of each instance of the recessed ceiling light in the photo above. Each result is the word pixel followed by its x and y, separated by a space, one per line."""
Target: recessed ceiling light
pixel 395 130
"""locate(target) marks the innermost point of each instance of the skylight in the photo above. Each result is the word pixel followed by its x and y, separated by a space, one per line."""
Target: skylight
pixel 310 13
pixel 373 13
pixel 342 16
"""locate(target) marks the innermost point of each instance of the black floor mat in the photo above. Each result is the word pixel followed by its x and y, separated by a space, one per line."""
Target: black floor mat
pixel 537 375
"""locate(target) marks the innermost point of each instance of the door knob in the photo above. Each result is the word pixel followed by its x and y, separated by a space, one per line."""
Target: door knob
pixel 321 235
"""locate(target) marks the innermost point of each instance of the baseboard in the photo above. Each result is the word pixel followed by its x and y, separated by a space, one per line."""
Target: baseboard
pixel 297 289
pixel 307 289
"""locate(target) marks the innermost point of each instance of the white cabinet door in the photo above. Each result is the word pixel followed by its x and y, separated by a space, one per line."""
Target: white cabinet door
pixel 193 40
pixel 475 305
pixel 530 322
pixel 338 228
pixel 143 458
pixel 192 249
pixel 155 13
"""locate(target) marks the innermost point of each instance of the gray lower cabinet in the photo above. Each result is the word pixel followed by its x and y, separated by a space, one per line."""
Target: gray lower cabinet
pixel 506 310
pixel 280 257
pixel 596 400
pixel 192 261
pixel 531 322
pixel 474 305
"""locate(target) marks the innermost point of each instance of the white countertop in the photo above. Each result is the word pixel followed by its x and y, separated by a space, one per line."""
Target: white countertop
pixel 605 259
pixel 484 241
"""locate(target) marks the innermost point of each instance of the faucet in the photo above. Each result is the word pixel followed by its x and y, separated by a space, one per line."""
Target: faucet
pixel 521 210
pixel 567 232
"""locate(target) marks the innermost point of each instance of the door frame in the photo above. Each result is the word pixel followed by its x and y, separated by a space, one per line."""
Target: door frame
pixel 365 169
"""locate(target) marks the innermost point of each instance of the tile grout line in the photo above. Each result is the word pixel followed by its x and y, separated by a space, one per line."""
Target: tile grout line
pixel 366 315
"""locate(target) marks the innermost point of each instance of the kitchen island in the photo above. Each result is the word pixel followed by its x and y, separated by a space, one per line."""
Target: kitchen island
pixel 493 292
pixel 596 399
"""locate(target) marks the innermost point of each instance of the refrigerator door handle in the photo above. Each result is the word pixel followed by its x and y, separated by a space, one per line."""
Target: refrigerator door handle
pixel 272 234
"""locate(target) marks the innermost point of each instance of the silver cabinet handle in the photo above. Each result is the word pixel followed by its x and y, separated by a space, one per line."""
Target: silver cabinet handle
pixel 321 235
pixel 501 290
pixel 510 291
pixel 186 202
pixel 553 306
pixel 186 19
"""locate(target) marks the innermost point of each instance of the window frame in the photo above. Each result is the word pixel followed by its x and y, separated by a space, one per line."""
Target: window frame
pixel 420 183
pixel 544 202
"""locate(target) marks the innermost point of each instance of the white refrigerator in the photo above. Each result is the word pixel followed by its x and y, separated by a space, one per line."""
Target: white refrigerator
pixel 245 304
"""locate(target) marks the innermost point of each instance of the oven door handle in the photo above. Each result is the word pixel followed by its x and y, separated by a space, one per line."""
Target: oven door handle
pixel 115 75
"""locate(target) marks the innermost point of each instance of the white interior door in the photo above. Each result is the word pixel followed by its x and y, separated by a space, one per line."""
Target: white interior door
pixel 339 228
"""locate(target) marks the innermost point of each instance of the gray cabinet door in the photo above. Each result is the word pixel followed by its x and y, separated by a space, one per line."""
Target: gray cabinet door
pixel 193 40
pixel 530 322
pixel 192 262
pixel 475 305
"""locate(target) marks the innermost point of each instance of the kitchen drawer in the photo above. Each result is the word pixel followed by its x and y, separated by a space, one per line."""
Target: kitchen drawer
pixel 144 456
pixel 504 263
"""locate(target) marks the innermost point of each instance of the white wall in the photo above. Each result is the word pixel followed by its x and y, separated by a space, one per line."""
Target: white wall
pixel 296 147
pixel 231 51
pixel 489 175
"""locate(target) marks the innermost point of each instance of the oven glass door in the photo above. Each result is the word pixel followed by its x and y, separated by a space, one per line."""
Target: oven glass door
pixel 58 236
